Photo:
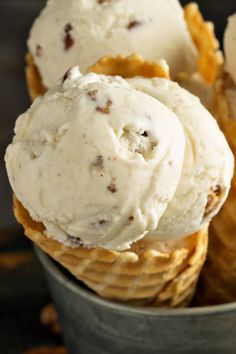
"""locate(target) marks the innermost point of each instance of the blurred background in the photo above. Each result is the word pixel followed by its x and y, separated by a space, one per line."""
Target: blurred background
pixel 22 287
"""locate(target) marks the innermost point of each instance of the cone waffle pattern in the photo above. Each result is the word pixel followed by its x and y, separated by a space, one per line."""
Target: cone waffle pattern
pixel 202 32
pixel 218 279
pixel 150 273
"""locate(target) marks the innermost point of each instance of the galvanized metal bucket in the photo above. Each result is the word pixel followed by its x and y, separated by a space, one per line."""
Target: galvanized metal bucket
pixel 92 325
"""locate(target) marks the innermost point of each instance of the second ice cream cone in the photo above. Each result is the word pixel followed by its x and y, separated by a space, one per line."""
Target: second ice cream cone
pixel 208 58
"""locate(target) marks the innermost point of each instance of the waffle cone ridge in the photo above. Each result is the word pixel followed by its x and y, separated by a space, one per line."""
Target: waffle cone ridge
pixel 147 274
pixel 218 278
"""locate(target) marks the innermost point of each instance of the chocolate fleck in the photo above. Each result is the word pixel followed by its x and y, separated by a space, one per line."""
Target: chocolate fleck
pixel 112 188
pixel 133 24
pixel 66 76
pixel 101 222
pixel 68 40
pixel 217 190
pixel 106 109
pixel 100 2
pixel 92 94
pixel 213 199
pixel 39 51
pixel 98 163
pixel 68 28
pixel 131 218
pixel 145 134
pixel 75 241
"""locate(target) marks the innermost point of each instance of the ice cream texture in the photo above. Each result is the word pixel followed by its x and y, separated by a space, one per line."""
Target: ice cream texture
pixel 96 161
pixel 208 163
pixel 79 32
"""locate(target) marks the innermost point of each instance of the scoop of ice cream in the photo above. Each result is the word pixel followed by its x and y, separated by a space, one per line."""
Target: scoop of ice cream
pixel 230 47
pixel 96 161
pixel 208 163
pixel 79 32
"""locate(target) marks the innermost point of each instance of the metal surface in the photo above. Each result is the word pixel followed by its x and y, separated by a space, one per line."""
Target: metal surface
pixel 92 325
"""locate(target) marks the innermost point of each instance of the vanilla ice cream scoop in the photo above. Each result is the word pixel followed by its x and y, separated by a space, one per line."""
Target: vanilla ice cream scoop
pixel 96 161
pixel 208 163
pixel 230 47
pixel 79 32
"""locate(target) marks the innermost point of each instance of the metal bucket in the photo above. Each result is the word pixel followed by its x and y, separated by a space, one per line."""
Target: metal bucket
pixel 92 325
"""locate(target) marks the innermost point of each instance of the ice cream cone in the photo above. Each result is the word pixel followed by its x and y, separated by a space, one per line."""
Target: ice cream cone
pixel 202 32
pixel 162 274
pixel 33 79
pixel 218 278
pixel 150 273
pixel 203 36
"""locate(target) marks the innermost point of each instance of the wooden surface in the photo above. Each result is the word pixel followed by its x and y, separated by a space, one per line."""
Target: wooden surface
pixel 22 287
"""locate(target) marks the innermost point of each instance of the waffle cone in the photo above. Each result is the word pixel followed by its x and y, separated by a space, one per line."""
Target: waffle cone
pixel 33 78
pixel 218 278
pixel 203 36
pixel 202 32
pixel 153 273
pixel 150 273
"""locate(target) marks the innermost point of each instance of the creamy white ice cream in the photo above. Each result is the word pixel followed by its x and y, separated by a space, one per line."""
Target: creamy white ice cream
pixel 208 164
pixel 104 161
pixel 79 32
pixel 96 161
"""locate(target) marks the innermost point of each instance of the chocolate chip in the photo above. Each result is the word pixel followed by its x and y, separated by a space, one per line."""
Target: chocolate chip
pixel 212 199
pixel 66 76
pixel 100 2
pixel 217 190
pixel 39 51
pixel 75 241
pixel 68 40
pixel 133 24
pixel 106 109
pixel 92 94
pixel 131 218
pixel 145 134
pixel 98 163
pixel 112 188
pixel 68 28
pixel 101 222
